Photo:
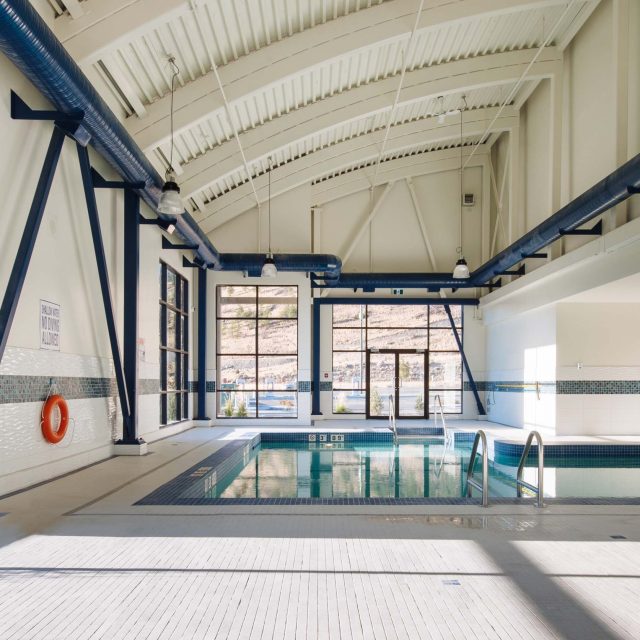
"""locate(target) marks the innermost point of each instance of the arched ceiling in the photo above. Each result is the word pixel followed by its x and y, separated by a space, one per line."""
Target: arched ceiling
pixel 311 84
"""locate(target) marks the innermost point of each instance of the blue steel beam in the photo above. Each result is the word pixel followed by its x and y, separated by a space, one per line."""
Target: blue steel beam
pixel 472 382
pixel 202 344
pixel 131 310
pixel 103 274
pixel 315 383
pixel 29 235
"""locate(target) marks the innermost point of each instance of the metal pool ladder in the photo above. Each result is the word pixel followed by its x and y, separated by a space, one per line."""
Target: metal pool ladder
pixel 471 481
pixel 448 434
pixel 539 490
pixel 392 418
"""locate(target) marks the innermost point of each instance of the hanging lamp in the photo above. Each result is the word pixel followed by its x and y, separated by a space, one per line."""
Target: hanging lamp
pixel 170 202
pixel 461 270
pixel 269 269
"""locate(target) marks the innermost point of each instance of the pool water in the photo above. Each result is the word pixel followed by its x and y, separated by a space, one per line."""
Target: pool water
pixel 419 469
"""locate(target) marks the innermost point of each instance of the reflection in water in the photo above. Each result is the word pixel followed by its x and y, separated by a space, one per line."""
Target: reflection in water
pixel 424 469
pixel 405 471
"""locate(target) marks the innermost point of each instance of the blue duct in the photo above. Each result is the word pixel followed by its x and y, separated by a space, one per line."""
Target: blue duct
pixel 252 263
pixel 604 195
pixel 31 46
pixel 615 188
pixel 370 281
pixel 29 43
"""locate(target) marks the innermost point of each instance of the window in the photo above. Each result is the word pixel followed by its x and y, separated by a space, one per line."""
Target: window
pixel 257 352
pixel 357 328
pixel 174 346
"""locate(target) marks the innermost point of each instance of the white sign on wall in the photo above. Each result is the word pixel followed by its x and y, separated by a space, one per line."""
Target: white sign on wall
pixel 49 325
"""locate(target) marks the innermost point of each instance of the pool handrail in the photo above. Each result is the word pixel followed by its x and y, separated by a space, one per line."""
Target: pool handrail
pixel 471 482
pixel 539 490
pixel 392 418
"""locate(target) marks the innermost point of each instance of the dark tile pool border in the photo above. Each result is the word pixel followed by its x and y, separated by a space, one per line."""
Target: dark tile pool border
pixel 236 452
pixel 510 449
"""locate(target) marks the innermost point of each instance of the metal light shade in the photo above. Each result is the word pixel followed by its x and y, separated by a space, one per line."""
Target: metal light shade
pixel 170 202
pixel 269 269
pixel 461 270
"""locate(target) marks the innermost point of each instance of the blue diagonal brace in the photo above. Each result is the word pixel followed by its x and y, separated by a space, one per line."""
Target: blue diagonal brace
pixel 29 235
pixel 103 274
pixel 467 368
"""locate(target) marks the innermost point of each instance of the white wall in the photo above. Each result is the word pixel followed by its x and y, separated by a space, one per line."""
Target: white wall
pixel 394 236
pixel 63 270
pixel 536 139
pixel 598 342
pixel 522 349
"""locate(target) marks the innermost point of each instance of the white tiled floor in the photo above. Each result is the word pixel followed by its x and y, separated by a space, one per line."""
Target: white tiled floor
pixel 110 570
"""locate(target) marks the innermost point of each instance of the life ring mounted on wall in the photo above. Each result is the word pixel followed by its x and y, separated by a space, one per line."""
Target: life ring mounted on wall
pixel 49 431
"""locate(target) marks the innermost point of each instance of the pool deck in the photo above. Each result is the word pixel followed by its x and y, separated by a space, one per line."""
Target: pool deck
pixel 79 560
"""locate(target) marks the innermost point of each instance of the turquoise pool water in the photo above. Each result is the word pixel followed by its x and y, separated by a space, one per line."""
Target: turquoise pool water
pixel 417 469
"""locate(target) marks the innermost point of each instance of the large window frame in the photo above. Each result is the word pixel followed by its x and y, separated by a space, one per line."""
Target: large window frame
pixel 436 321
pixel 227 405
pixel 174 358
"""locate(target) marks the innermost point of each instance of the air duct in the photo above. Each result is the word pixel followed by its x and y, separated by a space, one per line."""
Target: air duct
pixel 29 43
pixel 615 188
pixel 604 195
pixel 370 281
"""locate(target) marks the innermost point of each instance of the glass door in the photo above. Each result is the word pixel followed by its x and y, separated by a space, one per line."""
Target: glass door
pixel 400 373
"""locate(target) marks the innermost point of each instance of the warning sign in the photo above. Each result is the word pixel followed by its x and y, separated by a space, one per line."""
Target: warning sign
pixel 49 325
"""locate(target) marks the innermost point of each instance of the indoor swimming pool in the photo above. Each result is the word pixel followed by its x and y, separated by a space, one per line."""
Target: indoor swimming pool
pixel 409 472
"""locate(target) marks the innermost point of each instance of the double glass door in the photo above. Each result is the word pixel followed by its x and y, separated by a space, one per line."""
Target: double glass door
pixel 401 374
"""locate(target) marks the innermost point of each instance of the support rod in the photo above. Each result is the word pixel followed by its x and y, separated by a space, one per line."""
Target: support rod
pixel 103 274
pixel 465 362
pixel 28 240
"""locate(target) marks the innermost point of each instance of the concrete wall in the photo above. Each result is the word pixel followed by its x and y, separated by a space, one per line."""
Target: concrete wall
pixel 63 271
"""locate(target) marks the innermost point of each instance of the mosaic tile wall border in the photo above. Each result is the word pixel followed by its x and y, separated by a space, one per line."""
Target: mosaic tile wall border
pixel 561 387
pixel 19 389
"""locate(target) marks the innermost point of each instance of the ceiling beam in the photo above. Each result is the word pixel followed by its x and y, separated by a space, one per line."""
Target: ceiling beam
pixel 74 8
pixel 577 24
pixel 443 79
pixel 107 25
pixel 294 55
pixel 425 130
pixel 398 169
pixel 305 170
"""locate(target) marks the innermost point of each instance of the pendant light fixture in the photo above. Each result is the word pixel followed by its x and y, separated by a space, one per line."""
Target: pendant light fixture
pixel 269 269
pixel 170 201
pixel 461 270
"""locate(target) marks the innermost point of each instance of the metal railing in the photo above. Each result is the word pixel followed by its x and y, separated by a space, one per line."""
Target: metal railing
pixel 448 434
pixel 471 481
pixel 520 483
pixel 392 418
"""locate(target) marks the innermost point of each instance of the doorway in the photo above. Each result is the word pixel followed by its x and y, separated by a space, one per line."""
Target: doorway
pixel 401 375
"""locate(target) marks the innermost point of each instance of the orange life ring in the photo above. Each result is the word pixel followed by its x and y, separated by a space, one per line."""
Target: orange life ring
pixel 50 433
